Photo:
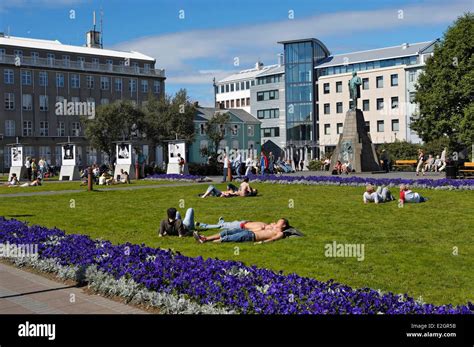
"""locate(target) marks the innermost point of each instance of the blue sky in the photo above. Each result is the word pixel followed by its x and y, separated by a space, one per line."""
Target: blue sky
pixel 204 43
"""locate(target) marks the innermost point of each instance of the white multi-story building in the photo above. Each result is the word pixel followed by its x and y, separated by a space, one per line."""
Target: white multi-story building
pixel 388 76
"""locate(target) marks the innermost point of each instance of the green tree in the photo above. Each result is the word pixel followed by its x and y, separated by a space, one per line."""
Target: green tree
pixel 114 122
pixel 445 90
pixel 215 131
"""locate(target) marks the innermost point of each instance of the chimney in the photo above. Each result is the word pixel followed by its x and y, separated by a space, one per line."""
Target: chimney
pixel 405 45
pixel 258 65
pixel 281 60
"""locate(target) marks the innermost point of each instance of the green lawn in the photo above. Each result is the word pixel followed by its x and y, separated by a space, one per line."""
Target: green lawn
pixel 407 250
pixel 48 186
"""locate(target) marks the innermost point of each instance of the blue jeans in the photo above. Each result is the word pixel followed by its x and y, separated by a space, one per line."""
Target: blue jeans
pixel 237 235
pixel 224 175
pixel 223 225
pixel 188 218
pixel 213 190
pixel 263 170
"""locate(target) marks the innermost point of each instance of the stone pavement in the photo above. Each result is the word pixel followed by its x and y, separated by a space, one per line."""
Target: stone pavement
pixel 23 292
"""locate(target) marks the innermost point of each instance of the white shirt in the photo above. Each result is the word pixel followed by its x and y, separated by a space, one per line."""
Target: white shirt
pixel 226 162
pixel 27 164
pixel 411 196
pixel 372 197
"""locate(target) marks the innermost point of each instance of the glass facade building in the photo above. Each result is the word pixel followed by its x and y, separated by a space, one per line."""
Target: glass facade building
pixel 301 56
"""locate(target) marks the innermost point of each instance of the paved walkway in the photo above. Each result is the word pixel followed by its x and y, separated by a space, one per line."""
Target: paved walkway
pixel 22 292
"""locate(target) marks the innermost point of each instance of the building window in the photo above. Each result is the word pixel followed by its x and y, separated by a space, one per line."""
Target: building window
pixel 226 88
pixel 43 78
pixel 75 81
pixel 338 87
pixel 44 128
pixel 231 103
pixel 365 83
pixel 247 84
pixel 366 105
pixel 34 57
pixel 27 102
pixel 227 104
pixel 327 129
pixel 379 81
pixel 367 126
pixel 89 82
pixel 242 85
pixel 339 107
pixel 395 125
pixel 250 130
pixel 81 61
pixel 380 126
pixel 202 129
pixel 26 77
pixel 339 128
pixel 50 58
pixel 412 97
pixel 61 129
pixel 326 88
pixel 380 104
pixel 132 86
pixel 394 102
pixel 248 101
pixel 43 102
pixel 18 54
pixel 267 95
pixel 27 128
pixel 75 128
pixel 157 87
pixel 8 76
pixel 118 84
pixel 327 108
pixel 104 83
pixel 268 114
pixel 9 127
pixel 144 84
pixel 222 88
pixel 237 102
pixel 237 86
pixel 95 62
pixel 394 80
pixel 271 132
pixel 66 60
pixel 232 87
pixel 2 54
pixel 59 80
pixel 105 101
pixel 411 76
pixel 234 130
pixel 9 101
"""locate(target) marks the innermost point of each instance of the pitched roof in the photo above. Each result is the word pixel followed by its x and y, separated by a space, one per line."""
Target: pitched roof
pixel 276 70
pixel 246 74
pixel 55 45
pixel 206 113
pixel 399 51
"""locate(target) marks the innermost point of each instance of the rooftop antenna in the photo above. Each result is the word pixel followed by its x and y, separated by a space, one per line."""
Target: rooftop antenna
pixel 101 29
pixel 93 19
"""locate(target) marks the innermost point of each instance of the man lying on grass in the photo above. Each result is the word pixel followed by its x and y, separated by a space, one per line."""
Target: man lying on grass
pixel 243 231
pixel 243 190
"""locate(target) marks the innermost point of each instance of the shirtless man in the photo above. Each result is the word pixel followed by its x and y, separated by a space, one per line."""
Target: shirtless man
pixel 249 231
pixel 244 190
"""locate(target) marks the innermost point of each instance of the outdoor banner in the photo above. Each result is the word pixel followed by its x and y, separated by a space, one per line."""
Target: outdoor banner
pixel 17 156
pixel 69 155
pixel 175 148
pixel 124 153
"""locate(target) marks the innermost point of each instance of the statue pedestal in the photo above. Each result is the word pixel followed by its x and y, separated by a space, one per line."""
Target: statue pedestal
pixel 173 168
pixel 20 172
pixel 355 146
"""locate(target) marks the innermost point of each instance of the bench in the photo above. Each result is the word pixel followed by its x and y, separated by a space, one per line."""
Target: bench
pixel 400 164
pixel 467 169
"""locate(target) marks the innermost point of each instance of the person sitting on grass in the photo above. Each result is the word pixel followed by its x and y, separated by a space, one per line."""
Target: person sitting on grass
pixel 13 181
pixel 124 177
pixel 408 196
pixel 105 179
pixel 337 168
pixel 382 194
pixel 244 190
pixel 258 232
pixel 175 226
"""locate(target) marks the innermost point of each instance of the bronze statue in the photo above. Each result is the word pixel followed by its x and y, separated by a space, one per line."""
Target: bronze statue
pixel 354 89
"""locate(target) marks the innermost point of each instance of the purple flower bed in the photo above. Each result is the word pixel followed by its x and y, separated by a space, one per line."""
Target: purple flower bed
pixel 174 177
pixel 227 283
pixel 444 183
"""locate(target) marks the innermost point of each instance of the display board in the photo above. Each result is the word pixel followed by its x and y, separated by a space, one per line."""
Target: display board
pixel 175 148
pixel 17 156
pixel 124 153
pixel 69 154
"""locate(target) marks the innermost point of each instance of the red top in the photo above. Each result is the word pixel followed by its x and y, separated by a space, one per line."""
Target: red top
pixel 402 195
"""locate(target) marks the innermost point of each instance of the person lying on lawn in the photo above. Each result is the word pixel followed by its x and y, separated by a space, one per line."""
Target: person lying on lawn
pixel 173 225
pixel 248 231
pixel 381 194
pixel 243 190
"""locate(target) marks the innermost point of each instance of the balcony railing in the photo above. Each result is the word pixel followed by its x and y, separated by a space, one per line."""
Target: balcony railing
pixel 80 66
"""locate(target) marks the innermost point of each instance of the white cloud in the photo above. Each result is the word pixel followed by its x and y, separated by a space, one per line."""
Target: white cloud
pixel 178 52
